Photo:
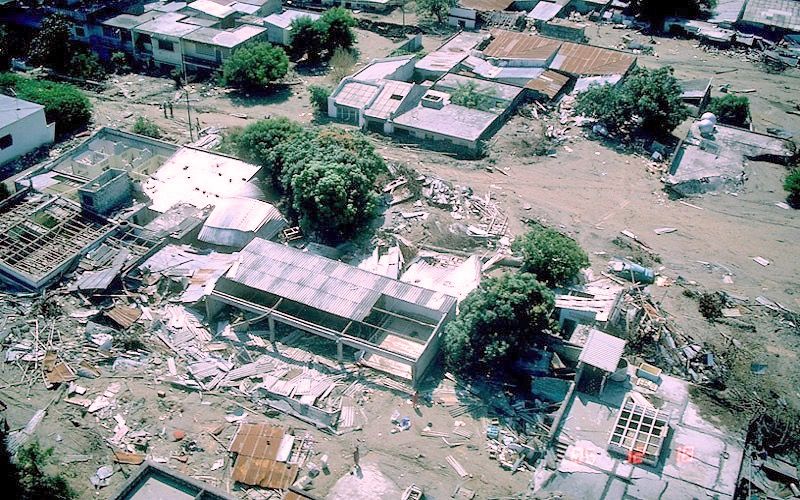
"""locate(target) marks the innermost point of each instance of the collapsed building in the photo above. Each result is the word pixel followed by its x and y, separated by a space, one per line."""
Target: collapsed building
pixel 397 326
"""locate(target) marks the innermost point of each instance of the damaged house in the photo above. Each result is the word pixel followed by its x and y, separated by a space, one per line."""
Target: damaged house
pixel 396 326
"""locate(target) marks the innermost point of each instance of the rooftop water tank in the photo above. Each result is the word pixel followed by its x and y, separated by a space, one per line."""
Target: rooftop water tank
pixel 706 126
pixel 710 117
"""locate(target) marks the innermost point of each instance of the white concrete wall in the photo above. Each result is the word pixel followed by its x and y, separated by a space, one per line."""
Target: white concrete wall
pixel 27 134
pixel 166 56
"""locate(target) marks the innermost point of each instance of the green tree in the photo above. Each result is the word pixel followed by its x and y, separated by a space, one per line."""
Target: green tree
pixel 731 109
pixel 258 142
pixel 332 199
pixel 146 127
pixel 435 8
pixel 553 257
pixel 469 95
pixel 339 24
pixel 792 186
pixel 63 104
pixel 656 11
pixel 86 65
pixel 51 46
pixel 319 98
pixel 308 39
pixel 648 100
pixel 5 48
pixel 35 482
pixel 120 63
pixel 255 66
pixel 497 323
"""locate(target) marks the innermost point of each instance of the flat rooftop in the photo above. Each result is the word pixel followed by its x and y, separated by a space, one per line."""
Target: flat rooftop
pixel 698 460
pixel 356 94
pixel 381 69
pixel 197 177
pixel 12 110
pixel 501 91
pixel 452 52
pixel 389 99
pixel 210 8
pixel 225 38
pixel 454 121
pixel 284 19
pixel 170 24
pixel 128 21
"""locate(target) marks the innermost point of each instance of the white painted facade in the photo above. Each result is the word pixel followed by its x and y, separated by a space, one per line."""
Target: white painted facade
pixel 23 128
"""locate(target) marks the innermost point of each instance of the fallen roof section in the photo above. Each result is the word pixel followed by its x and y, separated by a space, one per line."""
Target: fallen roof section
pixel 152 480
pixel 234 222
pixel 42 235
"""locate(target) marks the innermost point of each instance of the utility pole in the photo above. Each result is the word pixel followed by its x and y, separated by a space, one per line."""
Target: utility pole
pixel 189 112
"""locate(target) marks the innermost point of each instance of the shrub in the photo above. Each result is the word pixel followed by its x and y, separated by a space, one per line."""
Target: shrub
pixel 710 305
pixel 255 66
pixel 34 482
pixel 86 65
pixel 63 104
pixel 341 64
pixel 792 187
pixel 146 127
pixel 119 62
pixel 553 257
pixel 497 323
pixel 319 98
pixel 469 95
pixel 731 109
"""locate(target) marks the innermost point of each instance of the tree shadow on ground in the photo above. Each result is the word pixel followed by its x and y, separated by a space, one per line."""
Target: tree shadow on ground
pixel 277 94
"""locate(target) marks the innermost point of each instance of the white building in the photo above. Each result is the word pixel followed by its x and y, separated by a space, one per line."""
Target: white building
pixel 279 25
pixel 23 128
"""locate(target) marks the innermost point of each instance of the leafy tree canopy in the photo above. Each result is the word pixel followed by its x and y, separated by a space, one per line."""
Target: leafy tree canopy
pixel 648 100
pixel 731 109
pixel 497 323
pixel 308 39
pixel 51 45
pixel 319 97
pixel 257 143
pixel 63 104
pixel 339 24
pixel 435 8
pixel 553 257
pixel 469 95
pixel 333 199
pixel 254 66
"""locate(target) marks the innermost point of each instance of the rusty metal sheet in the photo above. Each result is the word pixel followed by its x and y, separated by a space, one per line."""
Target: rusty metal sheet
pixel 258 440
pixel 264 472
pixel 60 373
pixel 124 316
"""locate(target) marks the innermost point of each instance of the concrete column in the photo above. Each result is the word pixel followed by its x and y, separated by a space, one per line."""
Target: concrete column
pixel 271 328
pixel 339 351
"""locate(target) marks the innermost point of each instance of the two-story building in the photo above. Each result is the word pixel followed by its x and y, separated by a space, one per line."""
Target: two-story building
pixel 23 128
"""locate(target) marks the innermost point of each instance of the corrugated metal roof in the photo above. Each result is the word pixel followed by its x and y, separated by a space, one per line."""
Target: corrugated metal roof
pixel 779 13
pixel 602 351
pixel 513 45
pixel 258 446
pixel 485 5
pixel 258 440
pixel 573 58
pixel 235 221
pixel 548 83
pixel 324 284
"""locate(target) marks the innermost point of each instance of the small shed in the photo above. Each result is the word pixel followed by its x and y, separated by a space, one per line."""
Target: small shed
pixel 600 357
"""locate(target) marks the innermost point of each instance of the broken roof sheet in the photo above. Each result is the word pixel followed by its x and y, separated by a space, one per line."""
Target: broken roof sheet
pixel 200 178
pixel 452 52
pixel 257 464
pixel 324 284
pixel 258 440
pixel 602 351
pixel 234 221
pixel 545 11
pixel 549 83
